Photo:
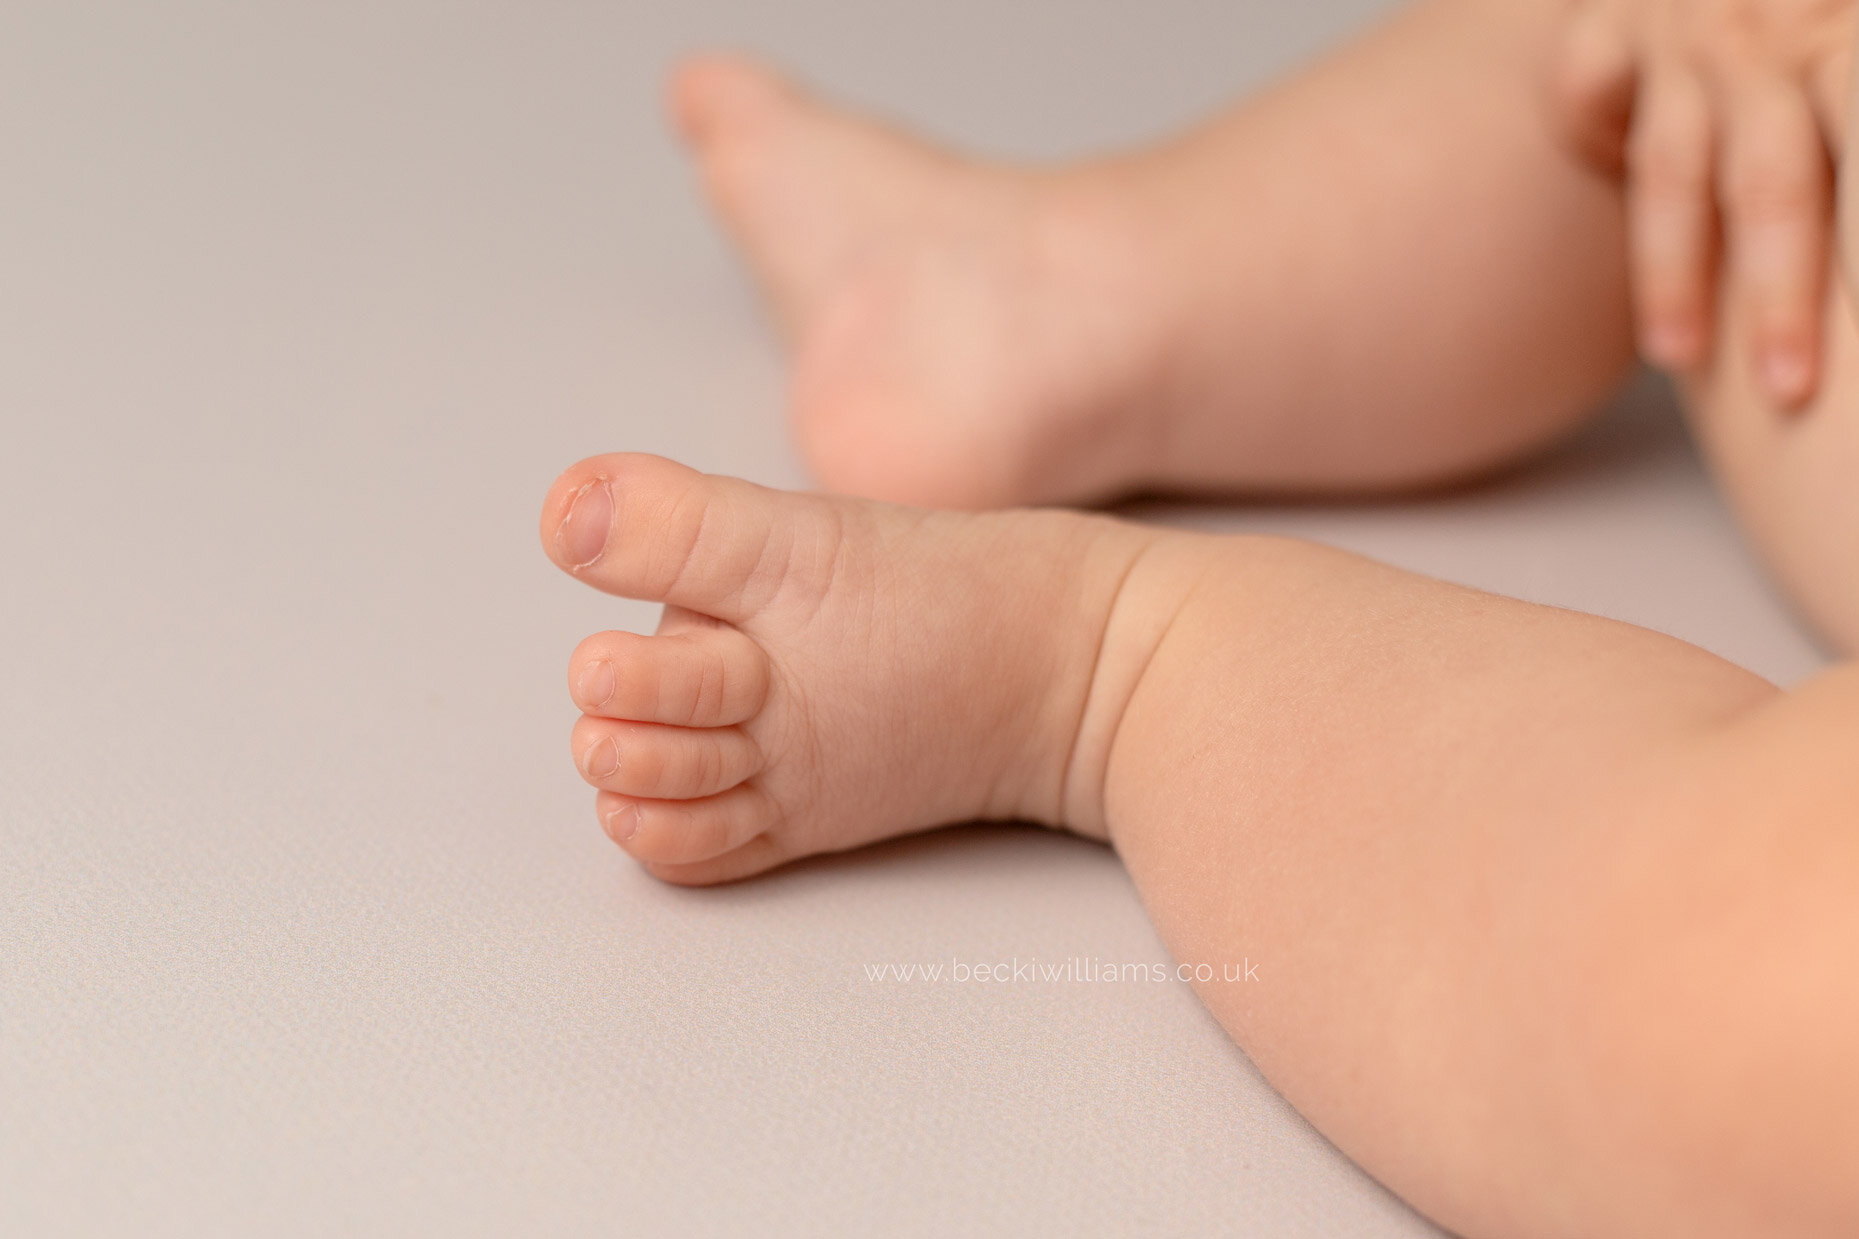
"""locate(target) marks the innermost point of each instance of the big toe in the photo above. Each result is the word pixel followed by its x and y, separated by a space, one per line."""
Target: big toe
pixel 648 528
pixel 713 95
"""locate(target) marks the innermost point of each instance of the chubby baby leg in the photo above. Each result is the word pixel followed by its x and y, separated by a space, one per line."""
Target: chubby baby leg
pixel 1492 861
pixel 1385 272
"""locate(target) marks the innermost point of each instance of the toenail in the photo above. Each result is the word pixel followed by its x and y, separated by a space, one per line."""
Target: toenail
pixel 583 533
pixel 623 823
pixel 595 687
pixel 601 759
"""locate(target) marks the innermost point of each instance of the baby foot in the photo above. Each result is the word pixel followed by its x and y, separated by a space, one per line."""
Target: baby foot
pixel 828 671
pixel 965 335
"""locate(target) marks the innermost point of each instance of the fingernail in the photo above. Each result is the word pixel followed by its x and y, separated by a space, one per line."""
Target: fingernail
pixel 595 687
pixel 623 823
pixel 601 759
pixel 1784 371
pixel 583 535
pixel 1669 345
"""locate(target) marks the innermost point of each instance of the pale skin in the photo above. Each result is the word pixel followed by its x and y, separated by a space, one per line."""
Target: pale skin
pixel 1728 115
pixel 1559 917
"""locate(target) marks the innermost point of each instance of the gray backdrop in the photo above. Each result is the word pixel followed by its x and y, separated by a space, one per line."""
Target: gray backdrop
pixel 306 925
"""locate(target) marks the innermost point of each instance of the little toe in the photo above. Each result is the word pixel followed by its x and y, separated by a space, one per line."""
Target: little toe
pixel 758 855
pixel 704 677
pixel 663 763
pixel 686 832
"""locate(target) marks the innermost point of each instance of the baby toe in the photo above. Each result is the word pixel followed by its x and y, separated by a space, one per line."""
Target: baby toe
pixel 758 855
pixel 705 677
pixel 649 761
pixel 686 832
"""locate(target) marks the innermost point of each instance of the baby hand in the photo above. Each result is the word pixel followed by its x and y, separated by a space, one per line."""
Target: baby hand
pixel 1722 115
